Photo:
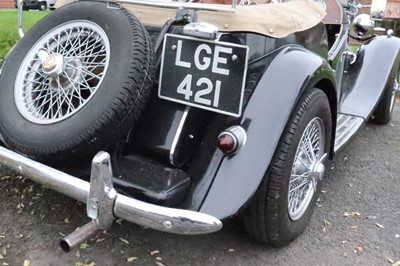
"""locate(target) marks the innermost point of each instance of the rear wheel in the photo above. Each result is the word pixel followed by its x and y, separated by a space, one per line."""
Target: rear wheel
pixel 76 83
pixel 285 200
pixel 384 111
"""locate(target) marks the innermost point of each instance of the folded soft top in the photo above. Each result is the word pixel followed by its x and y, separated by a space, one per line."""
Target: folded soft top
pixel 276 20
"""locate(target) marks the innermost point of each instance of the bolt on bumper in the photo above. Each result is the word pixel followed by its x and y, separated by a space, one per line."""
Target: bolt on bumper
pixel 104 204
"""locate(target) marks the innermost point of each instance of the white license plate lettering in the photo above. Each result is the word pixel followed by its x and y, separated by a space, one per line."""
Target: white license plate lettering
pixel 185 87
pixel 204 88
pixel 204 58
pixel 203 73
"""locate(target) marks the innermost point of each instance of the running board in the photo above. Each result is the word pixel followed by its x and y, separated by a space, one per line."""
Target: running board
pixel 346 127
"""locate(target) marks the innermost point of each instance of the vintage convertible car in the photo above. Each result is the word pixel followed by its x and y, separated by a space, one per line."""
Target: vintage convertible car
pixel 208 110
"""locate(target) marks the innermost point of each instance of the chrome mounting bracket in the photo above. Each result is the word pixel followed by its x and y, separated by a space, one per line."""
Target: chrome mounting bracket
pixel 99 205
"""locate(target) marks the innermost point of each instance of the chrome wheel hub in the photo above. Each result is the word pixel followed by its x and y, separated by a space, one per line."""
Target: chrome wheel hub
pixel 317 171
pixel 72 78
pixel 52 64
pixel 62 72
pixel 307 170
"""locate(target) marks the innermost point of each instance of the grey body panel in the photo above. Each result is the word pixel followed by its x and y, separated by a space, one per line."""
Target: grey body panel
pixel 366 78
pixel 266 116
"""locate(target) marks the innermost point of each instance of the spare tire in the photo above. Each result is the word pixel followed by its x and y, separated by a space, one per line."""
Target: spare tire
pixel 76 83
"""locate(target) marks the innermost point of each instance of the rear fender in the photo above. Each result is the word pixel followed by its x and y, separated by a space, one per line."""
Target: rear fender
pixel 292 71
pixel 368 75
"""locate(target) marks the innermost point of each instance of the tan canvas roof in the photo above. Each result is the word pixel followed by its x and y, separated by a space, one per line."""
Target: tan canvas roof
pixel 275 20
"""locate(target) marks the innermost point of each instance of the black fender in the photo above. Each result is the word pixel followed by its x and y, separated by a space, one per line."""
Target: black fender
pixel 292 71
pixel 367 76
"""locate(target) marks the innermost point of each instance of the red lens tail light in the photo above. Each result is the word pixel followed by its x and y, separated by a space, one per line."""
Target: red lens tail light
pixel 232 139
pixel 227 143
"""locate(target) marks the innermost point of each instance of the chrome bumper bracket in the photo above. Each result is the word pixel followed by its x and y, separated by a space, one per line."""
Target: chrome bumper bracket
pixel 100 202
pixel 99 205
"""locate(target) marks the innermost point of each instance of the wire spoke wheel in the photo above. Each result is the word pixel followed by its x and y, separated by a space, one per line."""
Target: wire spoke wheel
pixel 44 97
pixel 309 151
pixel 77 83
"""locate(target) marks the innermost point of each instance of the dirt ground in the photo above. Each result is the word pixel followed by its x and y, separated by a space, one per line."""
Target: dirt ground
pixel 356 221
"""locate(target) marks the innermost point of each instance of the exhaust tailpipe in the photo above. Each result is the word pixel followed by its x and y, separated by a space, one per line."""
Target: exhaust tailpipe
pixel 80 235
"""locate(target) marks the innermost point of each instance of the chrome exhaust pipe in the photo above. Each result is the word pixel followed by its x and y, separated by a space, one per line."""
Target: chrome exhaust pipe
pixel 78 236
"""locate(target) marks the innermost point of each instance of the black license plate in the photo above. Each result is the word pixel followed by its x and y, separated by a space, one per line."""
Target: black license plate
pixel 202 73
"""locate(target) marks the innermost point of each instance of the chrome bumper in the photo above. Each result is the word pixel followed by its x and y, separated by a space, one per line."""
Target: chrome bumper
pixel 104 204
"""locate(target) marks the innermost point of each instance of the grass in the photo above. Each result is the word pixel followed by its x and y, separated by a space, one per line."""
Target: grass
pixel 9 27
pixel 353 47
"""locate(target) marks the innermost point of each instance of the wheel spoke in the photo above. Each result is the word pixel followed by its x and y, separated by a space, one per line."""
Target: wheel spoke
pixel 296 177
pixel 86 72
pixel 301 186
pixel 298 159
pixel 305 182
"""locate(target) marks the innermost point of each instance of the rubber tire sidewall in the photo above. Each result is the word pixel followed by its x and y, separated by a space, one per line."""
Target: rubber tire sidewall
pixel 382 114
pixel 270 204
pixel 38 137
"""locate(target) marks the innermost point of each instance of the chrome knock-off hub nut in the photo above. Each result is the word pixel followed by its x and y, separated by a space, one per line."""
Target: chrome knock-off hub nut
pixel 52 64
pixel 49 62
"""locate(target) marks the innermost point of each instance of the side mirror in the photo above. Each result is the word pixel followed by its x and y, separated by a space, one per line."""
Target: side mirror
pixel 363 25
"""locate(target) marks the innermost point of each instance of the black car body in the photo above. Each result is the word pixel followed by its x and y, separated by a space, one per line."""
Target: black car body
pixel 209 111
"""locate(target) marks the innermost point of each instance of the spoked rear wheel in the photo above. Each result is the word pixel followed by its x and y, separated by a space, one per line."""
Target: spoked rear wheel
pixel 285 200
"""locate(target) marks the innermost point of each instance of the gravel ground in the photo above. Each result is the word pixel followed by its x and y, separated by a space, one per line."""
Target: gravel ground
pixel 356 221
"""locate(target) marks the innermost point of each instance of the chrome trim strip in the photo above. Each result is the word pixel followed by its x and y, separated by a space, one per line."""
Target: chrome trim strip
pixel 153 216
pixel 341 123
pixel 183 5
pixel 178 135
pixel 347 126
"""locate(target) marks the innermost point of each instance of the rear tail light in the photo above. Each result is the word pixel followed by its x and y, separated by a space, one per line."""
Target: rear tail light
pixel 231 140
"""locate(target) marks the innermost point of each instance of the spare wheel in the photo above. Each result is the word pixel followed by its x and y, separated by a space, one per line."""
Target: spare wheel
pixel 75 83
